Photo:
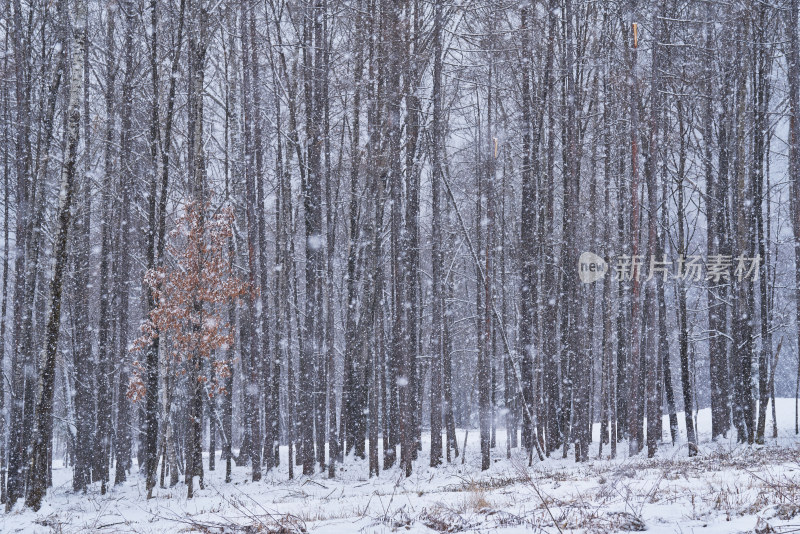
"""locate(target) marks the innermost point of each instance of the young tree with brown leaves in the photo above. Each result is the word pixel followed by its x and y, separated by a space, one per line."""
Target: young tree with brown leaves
pixel 191 312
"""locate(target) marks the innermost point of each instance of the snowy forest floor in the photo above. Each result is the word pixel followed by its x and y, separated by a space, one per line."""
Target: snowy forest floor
pixel 727 488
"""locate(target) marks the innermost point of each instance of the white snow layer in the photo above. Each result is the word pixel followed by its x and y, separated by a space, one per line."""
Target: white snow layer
pixel 728 488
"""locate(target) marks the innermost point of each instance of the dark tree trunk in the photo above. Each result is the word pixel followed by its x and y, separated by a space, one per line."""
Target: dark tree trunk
pixel 716 193
pixel 794 156
pixel 654 252
pixel 762 66
pixel 3 306
pixel 253 368
pixel 528 245
pixel 122 444
pixel 43 429
pixel 102 447
pixel 635 402
pixel 437 259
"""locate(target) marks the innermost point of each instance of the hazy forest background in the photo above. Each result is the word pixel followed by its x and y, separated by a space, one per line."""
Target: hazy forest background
pixel 340 226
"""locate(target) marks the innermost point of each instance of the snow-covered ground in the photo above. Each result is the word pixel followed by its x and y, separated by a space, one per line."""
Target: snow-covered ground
pixel 727 488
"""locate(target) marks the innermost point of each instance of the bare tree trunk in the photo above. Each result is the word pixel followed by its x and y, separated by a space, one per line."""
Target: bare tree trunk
pixel 102 447
pixel 265 360
pixel 794 165
pixel 527 243
pixel 3 306
pixel 196 161
pixel 654 252
pixel 122 444
pixel 227 400
pixel 716 192
pixel 312 203
pixel 17 443
pixel 575 373
pixel 43 430
pixel 28 309
pixel 663 239
pixel 82 403
pixel 635 403
pixel 437 259
pixel 742 222
pixel 485 191
pixel 762 67
pixel 550 376
pixel 398 379
pixel 411 77
pixel 331 219
pixel 607 421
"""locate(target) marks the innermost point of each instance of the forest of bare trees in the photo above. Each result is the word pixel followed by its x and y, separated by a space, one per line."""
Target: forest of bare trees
pixel 236 226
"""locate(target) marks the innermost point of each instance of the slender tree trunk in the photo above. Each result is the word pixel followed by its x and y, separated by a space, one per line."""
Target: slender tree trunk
pixel 528 244
pixel 3 306
pixel 762 67
pixel 683 329
pixel 17 443
pixel 794 164
pixel 122 444
pixel 411 233
pixel 550 375
pixel 196 161
pixel 437 262
pixel 636 403
pixel 82 404
pixel 28 309
pixel 43 429
pixel 265 360
pixel 654 252
pixel 354 389
pixel 715 197
pixel 663 339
